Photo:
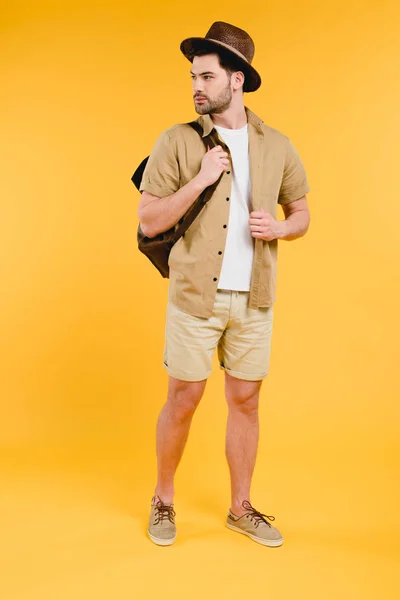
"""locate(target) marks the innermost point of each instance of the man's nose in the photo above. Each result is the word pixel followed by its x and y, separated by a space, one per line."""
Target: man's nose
pixel 197 87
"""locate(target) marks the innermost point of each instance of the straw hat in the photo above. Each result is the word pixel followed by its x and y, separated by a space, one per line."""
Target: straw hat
pixel 233 39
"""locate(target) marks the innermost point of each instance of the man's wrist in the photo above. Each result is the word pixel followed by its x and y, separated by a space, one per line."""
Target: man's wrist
pixel 199 184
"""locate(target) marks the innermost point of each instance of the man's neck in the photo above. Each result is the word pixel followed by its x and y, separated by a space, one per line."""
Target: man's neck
pixel 232 118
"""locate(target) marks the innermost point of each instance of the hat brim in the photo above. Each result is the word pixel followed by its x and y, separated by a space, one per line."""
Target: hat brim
pixel 189 46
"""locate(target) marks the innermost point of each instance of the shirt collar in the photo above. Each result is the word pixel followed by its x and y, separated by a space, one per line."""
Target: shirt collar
pixel 207 123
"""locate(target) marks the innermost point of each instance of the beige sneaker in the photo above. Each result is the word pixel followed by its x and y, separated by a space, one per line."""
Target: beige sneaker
pixel 255 525
pixel 162 528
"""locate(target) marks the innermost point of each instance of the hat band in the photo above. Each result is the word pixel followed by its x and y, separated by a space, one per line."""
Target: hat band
pixel 228 47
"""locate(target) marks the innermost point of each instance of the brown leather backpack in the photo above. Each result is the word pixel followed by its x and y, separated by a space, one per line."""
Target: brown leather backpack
pixel 158 248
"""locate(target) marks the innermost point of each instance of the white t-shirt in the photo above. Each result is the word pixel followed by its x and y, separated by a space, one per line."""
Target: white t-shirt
pixel 239 250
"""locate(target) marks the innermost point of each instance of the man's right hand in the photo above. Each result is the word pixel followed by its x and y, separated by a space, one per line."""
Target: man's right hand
pixel 214 162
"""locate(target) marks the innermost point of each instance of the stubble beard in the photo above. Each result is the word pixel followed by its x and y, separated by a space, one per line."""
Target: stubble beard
pixel 218 105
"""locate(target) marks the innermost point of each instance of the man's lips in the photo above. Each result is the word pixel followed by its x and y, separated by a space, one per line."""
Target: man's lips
pixel 200 99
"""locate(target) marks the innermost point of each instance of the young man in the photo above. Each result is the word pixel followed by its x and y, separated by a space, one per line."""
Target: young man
pixel 223 271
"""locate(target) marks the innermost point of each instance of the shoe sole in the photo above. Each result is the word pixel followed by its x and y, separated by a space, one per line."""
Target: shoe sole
pixel 271 543
pixel 161 542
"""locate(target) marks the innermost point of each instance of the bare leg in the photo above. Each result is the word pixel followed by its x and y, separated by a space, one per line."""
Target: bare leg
pixel 172 431
pixel 241 437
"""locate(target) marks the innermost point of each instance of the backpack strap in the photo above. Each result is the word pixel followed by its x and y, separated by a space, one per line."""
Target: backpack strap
pixel 211 141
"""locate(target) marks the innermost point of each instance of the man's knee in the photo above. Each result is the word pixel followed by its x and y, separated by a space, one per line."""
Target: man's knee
pixel 242 395
pixel 184 397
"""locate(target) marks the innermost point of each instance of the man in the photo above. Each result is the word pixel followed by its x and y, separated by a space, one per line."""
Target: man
pixel 223 271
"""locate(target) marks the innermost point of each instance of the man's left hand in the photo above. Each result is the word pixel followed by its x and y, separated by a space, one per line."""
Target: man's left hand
pixel 264 226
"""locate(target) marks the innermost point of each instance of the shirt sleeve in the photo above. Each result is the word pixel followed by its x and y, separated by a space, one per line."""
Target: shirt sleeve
pixel 294 181
pixel 161 175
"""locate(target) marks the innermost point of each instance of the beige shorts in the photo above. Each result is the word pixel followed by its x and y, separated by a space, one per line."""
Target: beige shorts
pixel 242 334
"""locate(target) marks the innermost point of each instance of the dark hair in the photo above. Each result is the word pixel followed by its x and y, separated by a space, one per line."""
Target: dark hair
pixel 227 61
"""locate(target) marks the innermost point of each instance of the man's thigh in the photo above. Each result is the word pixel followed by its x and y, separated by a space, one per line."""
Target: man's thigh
pixel 244 349
pixel 190 341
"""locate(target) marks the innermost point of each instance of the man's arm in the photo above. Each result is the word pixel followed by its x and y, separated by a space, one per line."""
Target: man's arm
pixel 158 214
pixel 297 219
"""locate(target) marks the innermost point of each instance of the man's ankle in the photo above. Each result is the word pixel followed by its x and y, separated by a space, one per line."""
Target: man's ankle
pixel 237 508
pixel 165 497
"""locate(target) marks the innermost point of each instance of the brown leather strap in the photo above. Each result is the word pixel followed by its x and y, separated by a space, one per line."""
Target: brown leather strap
pixel 211 141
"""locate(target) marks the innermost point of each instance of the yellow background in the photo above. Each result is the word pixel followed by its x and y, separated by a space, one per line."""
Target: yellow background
pixel 86 87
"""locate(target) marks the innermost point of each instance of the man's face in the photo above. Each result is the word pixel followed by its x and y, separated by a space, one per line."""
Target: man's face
pixel 211 85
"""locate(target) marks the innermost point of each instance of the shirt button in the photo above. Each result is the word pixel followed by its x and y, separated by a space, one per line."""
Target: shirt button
pixel 220 252
pixel 224 226
pixel 215 279
pixel 228 172
pixel 228 199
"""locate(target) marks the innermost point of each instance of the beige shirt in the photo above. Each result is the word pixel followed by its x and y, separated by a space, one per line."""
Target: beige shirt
pixel 277 176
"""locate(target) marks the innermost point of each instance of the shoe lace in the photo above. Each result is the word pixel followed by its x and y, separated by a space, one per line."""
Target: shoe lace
pixel 256 515
pixel 163 512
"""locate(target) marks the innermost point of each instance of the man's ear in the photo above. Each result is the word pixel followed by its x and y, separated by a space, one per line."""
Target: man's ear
pixel 238 78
